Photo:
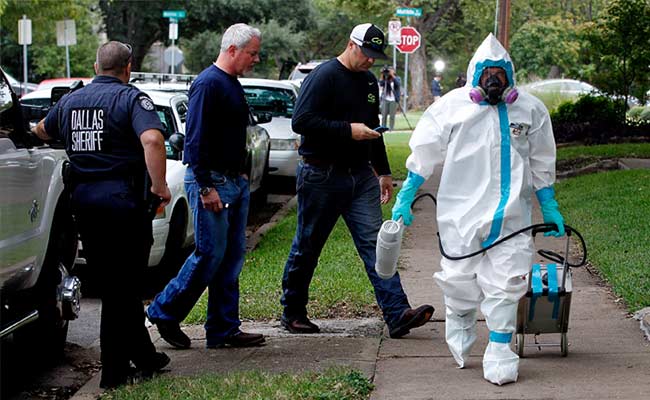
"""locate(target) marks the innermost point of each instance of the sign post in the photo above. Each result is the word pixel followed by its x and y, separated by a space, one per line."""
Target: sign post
pixel 394 37
pixel 66 35
pixel 24 38
pixel 174 16
pixel 410 40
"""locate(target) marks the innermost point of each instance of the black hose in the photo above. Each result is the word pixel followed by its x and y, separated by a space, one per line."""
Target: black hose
pixel 536 228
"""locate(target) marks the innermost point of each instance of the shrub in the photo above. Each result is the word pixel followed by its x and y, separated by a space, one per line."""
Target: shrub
pixel 639 114
pixel 593 119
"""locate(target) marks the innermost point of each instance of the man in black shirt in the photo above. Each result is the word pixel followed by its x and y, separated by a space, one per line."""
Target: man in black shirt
pixel 342 160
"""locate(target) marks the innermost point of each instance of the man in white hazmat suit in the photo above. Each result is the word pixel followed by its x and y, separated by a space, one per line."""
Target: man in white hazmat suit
pixel 498 149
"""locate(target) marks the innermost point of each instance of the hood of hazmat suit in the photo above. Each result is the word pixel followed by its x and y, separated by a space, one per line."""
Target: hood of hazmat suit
pixel 494 157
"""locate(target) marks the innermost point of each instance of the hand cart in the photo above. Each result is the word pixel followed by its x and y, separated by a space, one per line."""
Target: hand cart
pixel 546 305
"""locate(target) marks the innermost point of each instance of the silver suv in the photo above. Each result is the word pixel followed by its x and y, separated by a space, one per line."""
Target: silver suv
pixel 38 239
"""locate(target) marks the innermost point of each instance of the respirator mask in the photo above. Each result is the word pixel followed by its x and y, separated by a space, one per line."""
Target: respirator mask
pixel 493 90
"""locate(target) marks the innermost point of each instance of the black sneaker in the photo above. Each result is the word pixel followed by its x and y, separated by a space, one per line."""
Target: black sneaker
pixel 171 332
pixel 411 318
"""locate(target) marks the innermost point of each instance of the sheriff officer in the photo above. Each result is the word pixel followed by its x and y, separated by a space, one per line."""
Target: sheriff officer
pixel 113 138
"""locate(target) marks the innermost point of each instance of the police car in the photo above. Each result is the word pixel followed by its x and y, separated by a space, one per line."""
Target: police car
pixel 278 98
pixel 173 230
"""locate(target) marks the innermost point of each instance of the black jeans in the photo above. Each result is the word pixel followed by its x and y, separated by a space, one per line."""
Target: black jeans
pixel 116 236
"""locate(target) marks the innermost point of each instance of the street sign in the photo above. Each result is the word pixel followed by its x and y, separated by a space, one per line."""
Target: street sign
pixel 410 40
pixel 408 12
pixel 173 56
pixel 173 31
pixel 24 31
pixel 394 27
pixel 66 33
pixel 178 14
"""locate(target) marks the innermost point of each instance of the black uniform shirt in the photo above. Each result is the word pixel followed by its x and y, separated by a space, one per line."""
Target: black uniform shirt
pixel 332 97
pixel 101 125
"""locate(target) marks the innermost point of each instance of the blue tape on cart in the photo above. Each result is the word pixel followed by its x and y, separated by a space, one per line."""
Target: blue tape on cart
pixel 553 289
pixel 537 287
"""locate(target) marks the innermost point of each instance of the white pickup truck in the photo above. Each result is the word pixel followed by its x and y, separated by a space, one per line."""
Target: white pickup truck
pixel 38 239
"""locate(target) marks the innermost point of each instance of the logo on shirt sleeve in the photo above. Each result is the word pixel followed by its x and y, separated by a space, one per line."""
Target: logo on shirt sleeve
pixel 145 102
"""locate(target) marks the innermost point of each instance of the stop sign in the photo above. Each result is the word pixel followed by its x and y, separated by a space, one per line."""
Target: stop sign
pixel 410 40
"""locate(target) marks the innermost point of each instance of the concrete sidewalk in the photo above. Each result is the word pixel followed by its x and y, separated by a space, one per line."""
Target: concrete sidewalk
pixel 609 358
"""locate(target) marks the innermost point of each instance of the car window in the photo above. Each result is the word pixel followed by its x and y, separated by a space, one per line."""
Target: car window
pixel 278 101
pixel 299 74
pixel 167 120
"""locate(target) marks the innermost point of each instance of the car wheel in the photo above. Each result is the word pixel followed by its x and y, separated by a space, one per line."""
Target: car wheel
pixel 48 334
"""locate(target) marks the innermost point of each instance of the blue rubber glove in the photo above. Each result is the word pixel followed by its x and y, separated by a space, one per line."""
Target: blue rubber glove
pixel 402 207
pixel 550 210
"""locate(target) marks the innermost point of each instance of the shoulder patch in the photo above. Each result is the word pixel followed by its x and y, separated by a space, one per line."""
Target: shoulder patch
pixel 146 102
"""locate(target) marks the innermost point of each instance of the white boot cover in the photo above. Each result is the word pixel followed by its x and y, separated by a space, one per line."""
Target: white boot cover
pixel 460 333
pixel 500 363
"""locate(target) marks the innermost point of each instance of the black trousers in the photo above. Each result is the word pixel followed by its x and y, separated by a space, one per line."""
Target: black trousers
pixel 116 236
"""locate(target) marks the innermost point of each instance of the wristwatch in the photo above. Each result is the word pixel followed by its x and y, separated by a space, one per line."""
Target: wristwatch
pixel 204 191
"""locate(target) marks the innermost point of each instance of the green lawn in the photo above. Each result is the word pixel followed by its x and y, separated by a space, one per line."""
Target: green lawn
pixel 402 122
pixel 633 150
pixel 612 211
pixel 397 147
pixel 340 287
pixel 335 383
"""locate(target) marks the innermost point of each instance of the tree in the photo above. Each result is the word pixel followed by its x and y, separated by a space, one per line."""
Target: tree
pixel 138 23
pixel 620 42
pixel 547 48
pixel 45 58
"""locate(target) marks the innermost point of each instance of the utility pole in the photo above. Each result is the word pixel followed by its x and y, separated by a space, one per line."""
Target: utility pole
pixel 503 31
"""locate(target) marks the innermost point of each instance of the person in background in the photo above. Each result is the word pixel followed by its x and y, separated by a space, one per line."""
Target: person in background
pixel 436 88
pixel 389 93
pixel 218 191
pixel 113 138
pixel 344 172
pixel 461 80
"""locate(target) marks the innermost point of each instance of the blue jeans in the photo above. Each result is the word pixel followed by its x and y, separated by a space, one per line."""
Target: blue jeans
pixel 215 263
pixel 324 194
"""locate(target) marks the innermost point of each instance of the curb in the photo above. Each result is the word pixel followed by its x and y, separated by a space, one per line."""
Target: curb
pixel 91 390
pixel 255 238
pixel 644 320
pixel 606 165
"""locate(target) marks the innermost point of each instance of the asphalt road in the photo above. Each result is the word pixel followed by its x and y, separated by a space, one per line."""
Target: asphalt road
pixel 27 376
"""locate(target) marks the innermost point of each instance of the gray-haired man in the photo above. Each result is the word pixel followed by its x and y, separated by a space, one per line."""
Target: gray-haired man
pixel 215 151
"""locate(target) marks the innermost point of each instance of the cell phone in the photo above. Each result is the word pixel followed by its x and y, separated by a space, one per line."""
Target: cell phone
pixel 381 129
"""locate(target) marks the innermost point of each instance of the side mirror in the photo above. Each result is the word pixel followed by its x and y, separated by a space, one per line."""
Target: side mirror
pixel 263 117
pixel 60 91
pixel 177 141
